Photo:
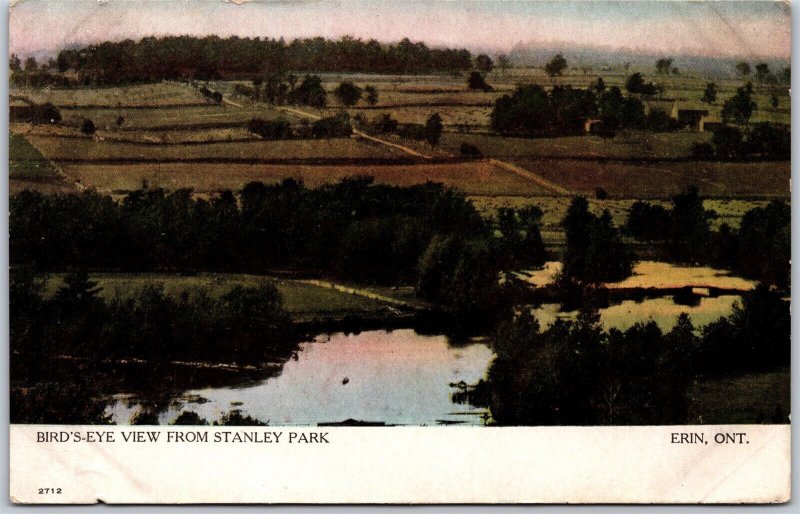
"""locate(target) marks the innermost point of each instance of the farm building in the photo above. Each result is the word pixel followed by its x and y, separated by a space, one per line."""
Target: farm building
pixel 709 124
pixel 593 126
pixel 20 109
pixel 664 105
pixel 689 117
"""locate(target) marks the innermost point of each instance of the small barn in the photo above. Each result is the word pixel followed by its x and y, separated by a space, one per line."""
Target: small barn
pixel 593 126
pixel 665 105
pixel 690 117
pixel 709 124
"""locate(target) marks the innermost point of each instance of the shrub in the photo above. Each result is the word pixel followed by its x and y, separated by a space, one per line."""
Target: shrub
pixel 477 82
pixel 334 126
pixel 270 129
pixel 87 127
pixel 702 151
pixel 470 151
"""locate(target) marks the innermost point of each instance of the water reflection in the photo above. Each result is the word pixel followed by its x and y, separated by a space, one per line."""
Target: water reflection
pixel 653 274
pixel 397 377
pixel 664 311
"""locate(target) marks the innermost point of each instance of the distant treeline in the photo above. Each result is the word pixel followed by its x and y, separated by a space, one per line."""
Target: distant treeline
pixel 213 57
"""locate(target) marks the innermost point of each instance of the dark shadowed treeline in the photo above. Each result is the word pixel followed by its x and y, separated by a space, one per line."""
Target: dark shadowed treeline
pixel 575 373
pixel 61 348
pixel 246 324
pixel 212 57
pixel 595 252
pixel 759 249
pixel 353 230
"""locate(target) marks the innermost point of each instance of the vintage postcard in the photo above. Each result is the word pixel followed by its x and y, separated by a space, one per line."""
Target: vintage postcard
pixel 408 251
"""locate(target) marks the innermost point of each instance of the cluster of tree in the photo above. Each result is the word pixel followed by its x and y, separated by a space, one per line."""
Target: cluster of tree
pixel 349 94
pixel 595 252
pixel 763 74
pixel 556 66
pixel 325 128
pixel 35 113
pixel 686 227
pixel 39 79
pixel 233 418
pixel 533 111
pixel 636 85
pixel 740 106
pixel 147 324
pixel 664 66
pixel 575 373
pixel 271 129
pixel 381 124
pixel 354 229
pixel 431 131
pixel 243 325
pixel 212 57
pixel 213 96
pixel 710 93
pixel 477 82
pixel 332 126
pixel 759 249
pixel 279 88
pixel 762 140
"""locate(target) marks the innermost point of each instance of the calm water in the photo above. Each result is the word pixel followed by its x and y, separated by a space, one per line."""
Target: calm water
pixel 662 275
pixel 664 311
pixel 397 377
pixel 404 378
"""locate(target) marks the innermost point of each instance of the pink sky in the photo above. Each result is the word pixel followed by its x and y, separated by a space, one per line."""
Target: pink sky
pixel 751 28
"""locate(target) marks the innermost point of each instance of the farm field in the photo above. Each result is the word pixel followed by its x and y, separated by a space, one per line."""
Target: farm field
pixel 154 95
pixel 478 178
pixel 671 145
pixel 661 180
pixel 172 118
pixel 28 169
pixel 172 138
pixel 26 162
pixel 88 150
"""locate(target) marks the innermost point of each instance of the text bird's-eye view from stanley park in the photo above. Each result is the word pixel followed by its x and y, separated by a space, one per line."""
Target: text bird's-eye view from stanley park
pixel 383 213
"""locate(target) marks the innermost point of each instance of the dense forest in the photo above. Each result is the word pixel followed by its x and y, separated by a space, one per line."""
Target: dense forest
pixel 213 57
pixel 427 235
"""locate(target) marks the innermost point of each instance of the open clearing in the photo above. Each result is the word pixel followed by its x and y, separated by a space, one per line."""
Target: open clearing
pixel 301 299
pixel 752 398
